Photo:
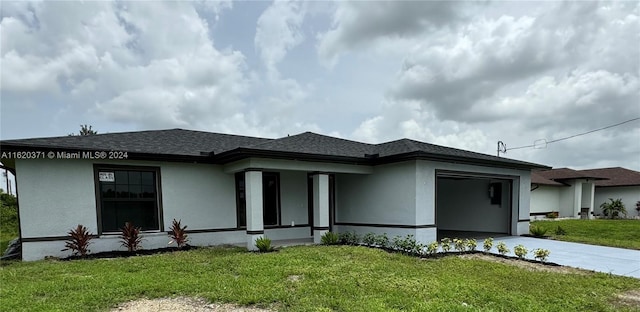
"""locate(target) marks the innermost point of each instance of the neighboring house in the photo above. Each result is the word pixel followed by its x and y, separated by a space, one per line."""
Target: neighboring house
pixel 573 193
pixel 621 183
pixel 234 189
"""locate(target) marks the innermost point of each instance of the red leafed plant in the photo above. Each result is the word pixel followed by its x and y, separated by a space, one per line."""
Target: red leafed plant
pixel 78 241
pixel 130 237
pixel 178 234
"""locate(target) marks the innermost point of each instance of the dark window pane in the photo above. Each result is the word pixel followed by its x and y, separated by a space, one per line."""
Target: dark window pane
pixel 270 195
pixel 108 190
pixel 146 178
pixel 241 208
pixel 122 191
pixel 148 191
pixel 109 217
pixel 134 177
pixel 135 191
pixel 122 177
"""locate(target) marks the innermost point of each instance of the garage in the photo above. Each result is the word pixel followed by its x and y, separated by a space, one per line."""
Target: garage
pixel 469 205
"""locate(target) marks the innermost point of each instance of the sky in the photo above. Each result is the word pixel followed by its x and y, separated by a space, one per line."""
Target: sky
pixel 459 74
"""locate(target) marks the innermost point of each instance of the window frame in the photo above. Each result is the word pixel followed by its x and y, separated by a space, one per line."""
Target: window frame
pixel 242 202
pixel 98 193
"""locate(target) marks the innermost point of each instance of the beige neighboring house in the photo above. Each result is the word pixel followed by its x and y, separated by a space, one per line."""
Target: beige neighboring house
pixel 576 193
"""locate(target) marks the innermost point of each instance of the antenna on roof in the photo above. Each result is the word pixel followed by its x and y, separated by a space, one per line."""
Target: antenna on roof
pixel 502 148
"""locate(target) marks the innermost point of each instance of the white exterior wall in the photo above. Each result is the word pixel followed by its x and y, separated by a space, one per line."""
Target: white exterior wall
pixel 387 196
pixel 57 195
pixel 546 198
pixel 630 195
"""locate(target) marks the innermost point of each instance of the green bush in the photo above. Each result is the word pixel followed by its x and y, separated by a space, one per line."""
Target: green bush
pixel 541 254
pixel 369 239
pixel 488 244
pixel 349 238
pixel 432 248
pixel 613 208
pixel 459 244
pixel 264 244
pixel 552 215
pixel 520 251
pixel 407 245
pixel 537 230
pixel 445 244
pixel 471 244
pixel 502 248
pixel 329 238
pixel 382 240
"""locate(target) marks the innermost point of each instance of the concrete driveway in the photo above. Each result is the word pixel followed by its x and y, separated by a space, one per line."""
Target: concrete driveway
pixel 618 261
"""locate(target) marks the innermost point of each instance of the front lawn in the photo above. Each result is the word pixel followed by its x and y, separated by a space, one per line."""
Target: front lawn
pixel 605 232
pixel 308 278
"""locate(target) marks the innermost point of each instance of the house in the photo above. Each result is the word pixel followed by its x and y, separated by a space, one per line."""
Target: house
pixel 620 183
pixel 575 193
pixel 233 189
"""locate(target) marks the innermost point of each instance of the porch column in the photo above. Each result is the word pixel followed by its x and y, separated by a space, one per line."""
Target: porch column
pixel 320 206
pixel 255 226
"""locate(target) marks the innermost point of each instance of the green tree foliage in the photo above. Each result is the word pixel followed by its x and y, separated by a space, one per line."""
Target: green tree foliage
pixel 85 130
pixel 613 208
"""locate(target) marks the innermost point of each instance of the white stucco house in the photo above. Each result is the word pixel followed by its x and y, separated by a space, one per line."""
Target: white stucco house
pixel 579 193
pixel 233 189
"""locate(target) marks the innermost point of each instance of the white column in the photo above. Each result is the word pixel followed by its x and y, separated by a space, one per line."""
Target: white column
pixel 591 200
pixel 577 198
pixel 320 206
pixel 255 226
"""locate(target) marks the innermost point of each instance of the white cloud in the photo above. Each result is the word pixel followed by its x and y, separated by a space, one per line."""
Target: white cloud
pixel 278 31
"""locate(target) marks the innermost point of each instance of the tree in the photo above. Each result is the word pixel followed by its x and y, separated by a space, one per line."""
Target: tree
pixel 85 130
pixel 613 208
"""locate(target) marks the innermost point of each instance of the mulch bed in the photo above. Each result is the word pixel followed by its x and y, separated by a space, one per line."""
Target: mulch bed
pixel 126 254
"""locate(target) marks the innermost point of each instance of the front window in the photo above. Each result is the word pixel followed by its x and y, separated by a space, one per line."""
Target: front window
pixel 128 195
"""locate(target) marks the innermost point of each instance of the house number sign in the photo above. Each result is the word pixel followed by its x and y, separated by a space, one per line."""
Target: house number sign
pixel 106 177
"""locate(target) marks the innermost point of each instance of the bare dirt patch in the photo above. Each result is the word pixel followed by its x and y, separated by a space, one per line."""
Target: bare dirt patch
pixel 181 304
pixel 629 298
pixel 524 264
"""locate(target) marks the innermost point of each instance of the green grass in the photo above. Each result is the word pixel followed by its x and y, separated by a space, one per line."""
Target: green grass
pixel 614 233
pixel 8 224
pixel 332 278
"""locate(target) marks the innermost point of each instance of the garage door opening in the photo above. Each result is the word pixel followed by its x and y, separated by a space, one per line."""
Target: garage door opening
pixel 473 206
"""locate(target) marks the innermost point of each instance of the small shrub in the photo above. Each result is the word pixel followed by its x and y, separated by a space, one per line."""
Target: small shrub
pixel 520 251
pixel 560 231
pixel 502 248
pixel 638 207
pixel 613 208
pixel 541 254
pixel 382 240
pixel 264 244
pixel 537 231
pixel 369 239
pixel 78 241
pixel 471 244
pixel 445 244
pixel 458 244
pixel 488 244
pixel 130 237
pixel 432 248
pixel 178 234
pixel 329 238
pixel 552 215
pixel 407 245
pixel 349 238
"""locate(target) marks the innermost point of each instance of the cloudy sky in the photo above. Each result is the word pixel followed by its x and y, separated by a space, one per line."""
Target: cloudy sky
pixel 460 74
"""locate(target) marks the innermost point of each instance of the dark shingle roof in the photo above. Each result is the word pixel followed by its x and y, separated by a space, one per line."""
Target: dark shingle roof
pixel 200 145
pixel 162 142
pixel 536 178
pixel 616 176
pixel 561 174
